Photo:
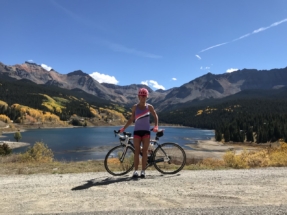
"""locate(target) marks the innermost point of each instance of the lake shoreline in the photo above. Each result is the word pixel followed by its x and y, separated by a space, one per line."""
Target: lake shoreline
pixel 216 150
pixel 14 145
pixel 201 149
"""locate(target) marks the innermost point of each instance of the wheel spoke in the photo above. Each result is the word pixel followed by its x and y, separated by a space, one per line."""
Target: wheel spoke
pixel 117 166
pixel 171 158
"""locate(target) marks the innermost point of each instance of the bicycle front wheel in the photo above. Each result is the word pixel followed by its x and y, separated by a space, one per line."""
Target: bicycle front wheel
pixel 119 160
pixel 169 158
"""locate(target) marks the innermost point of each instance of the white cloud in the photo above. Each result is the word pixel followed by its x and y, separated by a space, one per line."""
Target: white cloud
pixel 174 79
pixel 144 83
pixel 102 78
pixel 247 35
pixel 198 57
pixel 44 66
pixel 153 84
pixel 231 70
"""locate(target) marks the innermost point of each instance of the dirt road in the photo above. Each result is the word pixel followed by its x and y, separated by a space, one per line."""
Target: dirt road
pixel 88 192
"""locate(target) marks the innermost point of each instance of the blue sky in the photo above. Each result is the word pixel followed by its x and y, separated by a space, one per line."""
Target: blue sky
pixel 162 43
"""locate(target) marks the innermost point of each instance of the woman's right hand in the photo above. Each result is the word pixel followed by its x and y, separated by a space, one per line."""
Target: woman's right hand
pixel 122 130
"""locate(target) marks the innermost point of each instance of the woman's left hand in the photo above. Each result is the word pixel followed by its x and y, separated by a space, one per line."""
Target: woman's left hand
pixel 155 129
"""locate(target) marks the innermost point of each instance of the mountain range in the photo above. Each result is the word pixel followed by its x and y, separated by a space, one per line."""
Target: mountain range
pixel 208 86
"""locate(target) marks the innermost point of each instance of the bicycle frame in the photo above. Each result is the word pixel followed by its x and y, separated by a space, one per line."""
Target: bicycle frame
pixel 125 140
pixel 165 159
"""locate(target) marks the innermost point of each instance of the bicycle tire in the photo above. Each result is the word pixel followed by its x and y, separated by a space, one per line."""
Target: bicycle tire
pixel 177 158
pixel 114 166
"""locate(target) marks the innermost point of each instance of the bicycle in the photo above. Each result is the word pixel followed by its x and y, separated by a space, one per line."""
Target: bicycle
pixel 167 158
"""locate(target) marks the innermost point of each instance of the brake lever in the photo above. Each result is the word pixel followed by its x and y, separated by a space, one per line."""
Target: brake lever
pixel 115 132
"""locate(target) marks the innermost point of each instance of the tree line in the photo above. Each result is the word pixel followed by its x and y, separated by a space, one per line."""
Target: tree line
pixel 254 120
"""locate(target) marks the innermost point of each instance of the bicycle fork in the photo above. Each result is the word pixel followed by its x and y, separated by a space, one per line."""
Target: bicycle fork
pixel 123 154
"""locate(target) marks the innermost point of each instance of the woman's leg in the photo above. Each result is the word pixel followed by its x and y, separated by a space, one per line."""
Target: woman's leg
pixel 145 142
pixel 137 143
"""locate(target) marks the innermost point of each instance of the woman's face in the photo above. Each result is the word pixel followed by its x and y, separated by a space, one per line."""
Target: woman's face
pixel 142 98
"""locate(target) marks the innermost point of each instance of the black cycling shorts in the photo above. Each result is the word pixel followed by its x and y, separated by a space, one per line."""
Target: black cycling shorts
pixel 141 134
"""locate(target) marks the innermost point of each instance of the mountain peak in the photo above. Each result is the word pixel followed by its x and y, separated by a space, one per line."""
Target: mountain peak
pixel 77 72
pixel 31 63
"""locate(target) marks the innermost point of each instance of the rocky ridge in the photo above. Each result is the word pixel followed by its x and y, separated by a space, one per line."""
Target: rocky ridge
pixel 204 87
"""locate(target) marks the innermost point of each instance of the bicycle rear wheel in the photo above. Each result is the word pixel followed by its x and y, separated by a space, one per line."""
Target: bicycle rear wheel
pixel 116 164
pixel 169 158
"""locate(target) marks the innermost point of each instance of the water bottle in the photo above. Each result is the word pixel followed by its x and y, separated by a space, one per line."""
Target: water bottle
pixel 150 149
pixel 150 152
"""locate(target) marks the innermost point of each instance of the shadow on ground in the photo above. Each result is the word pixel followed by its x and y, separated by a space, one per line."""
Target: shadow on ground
pixel 111 180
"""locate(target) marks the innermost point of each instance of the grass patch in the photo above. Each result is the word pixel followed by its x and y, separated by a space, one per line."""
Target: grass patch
pixel 269 157
pixel 40 159
pixel 14 168
pixel 204 164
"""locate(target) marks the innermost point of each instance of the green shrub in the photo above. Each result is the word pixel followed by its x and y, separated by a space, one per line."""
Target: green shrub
pixel 76 122
pixel 5 149
pixel 39 153
pixel 17 136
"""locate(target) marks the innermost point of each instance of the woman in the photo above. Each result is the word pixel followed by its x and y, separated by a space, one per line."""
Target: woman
pixel 141 116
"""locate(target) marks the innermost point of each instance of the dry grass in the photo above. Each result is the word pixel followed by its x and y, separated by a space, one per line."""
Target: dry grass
pixel 51 167
pixel 269 157
pixel 207 163
pixel 39 160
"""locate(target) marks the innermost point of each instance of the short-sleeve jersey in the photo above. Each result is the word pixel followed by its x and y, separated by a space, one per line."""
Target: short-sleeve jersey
pixel 142 119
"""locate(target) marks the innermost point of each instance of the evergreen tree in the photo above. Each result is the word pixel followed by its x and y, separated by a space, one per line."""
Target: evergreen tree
pixel 218 135
pixel 226 135
pixel 249 135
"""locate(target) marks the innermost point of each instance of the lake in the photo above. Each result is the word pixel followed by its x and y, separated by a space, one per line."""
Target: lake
pixel 86 143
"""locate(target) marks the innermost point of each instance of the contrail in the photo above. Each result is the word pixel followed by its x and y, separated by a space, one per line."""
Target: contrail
pixel 247 35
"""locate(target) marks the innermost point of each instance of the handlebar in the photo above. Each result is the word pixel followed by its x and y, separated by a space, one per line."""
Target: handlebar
pixel 125 133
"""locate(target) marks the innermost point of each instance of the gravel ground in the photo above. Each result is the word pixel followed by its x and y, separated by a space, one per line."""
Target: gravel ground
pixel 255 191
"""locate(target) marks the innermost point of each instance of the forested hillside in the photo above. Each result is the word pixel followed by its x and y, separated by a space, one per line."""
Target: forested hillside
pixel 26 102
pixel 256 116
pixel 251 115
